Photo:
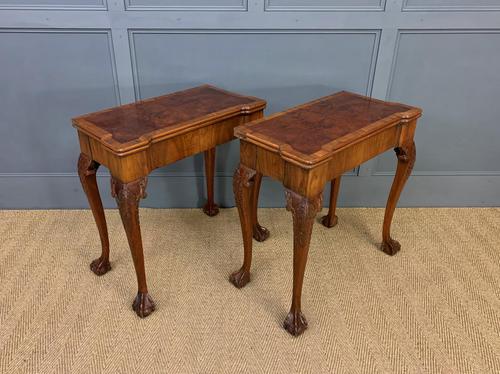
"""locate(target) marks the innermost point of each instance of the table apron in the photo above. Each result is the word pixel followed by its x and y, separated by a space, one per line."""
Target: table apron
pixel 310 182
pixel 132 166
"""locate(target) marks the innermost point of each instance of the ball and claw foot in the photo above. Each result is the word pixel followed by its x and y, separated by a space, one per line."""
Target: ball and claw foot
pixel 100 266
pixel 327 222
pixel 391 247
pixel 240 278
pixel 211 209
pixel 260 233
pixel 295 323
pixel 143 305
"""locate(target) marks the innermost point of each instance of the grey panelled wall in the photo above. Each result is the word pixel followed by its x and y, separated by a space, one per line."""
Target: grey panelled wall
pixel 61 58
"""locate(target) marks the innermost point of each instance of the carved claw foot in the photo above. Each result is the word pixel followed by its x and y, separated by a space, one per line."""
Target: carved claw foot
pixel 143 305
pixel 295 323
pixel 260 233
pixel 391 247
pixel 211 209
pixel 327 222
pixel 100 266
pixel 240 278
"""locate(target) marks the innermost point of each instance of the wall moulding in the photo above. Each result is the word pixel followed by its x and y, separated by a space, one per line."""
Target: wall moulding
pixel 98 5
pixel 318 6
pixel 182 5
pixel 436 7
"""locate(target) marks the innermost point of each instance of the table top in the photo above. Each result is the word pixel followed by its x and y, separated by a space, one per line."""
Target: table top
pixel 127 127
pixel 310 133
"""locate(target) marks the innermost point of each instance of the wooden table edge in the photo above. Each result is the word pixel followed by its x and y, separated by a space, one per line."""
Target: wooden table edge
pixel 298 158
pixel 136 145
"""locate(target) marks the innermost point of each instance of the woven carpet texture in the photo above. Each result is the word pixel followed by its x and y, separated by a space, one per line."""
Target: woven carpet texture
pixel 432 308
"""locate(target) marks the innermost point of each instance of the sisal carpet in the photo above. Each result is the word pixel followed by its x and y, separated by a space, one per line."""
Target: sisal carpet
pixel 433 308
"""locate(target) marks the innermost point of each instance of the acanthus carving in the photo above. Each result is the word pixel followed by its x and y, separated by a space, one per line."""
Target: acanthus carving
pixel 135 190
pixel 243 177
pixel 127 196
pixel 301 206
pixel 303 209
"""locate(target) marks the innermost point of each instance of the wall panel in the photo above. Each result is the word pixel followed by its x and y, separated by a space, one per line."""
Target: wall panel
pixel 186 5
pixel 54 4
pixel 285 67
pixel 325 5
pixel 48 77
pixel 451 5
pixel 450 75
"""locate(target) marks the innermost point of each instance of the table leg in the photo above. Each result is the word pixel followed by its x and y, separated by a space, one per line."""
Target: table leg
pixel 87 170
pixel 331 219
pixel 127 197
pixel 211 209
pixel 260 233
pixel 406 159
pixel 303 212
pixel 243 185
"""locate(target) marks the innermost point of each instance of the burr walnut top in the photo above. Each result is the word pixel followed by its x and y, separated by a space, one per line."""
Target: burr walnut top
pixel 310 133
pixel 128 127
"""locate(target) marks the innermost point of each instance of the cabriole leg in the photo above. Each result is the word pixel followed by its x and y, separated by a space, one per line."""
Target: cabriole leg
pixel 303 212
pixel 406 159
pixel 243 183
pixel 87 170
pixel 260 233
pixel 127 197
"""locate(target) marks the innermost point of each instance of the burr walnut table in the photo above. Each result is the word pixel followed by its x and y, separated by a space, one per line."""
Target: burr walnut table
pixel 307 146
pixel 134 139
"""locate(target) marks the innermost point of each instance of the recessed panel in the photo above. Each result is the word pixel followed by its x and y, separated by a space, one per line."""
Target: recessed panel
pixel 286 69
pixel 186 4
pixel 47 78
pixel 453 78
pixel 338 5
pixel 49 4
pixel 451 5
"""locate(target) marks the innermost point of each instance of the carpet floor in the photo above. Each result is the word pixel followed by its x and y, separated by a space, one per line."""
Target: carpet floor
pixel 432 308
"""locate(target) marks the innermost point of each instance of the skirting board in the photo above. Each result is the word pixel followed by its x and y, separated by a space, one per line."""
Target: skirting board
pixel 65 192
